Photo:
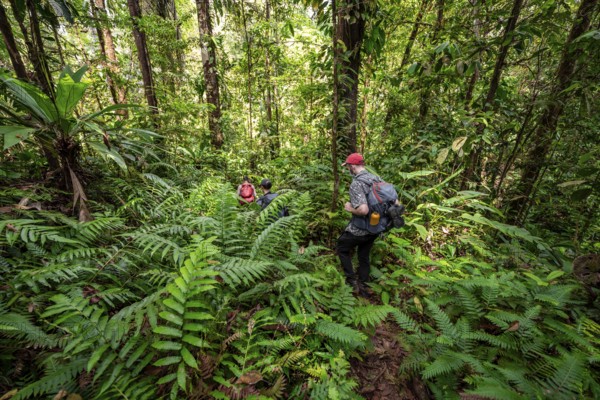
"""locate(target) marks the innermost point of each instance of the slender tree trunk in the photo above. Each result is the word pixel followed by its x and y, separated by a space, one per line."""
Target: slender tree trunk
pixel 107 47
pixel 249 65
pixel 350 29
pixel 392 109
pixel 413 35
pixel 143 56
pixel 35 46
pixel 273 135
pixel 363 117
pixel 209 65
pixel 335 121
pixel 475 76
pixel 11 45
pixel 543 136
pixel 471 173
pixel 439 23
pixel 180 52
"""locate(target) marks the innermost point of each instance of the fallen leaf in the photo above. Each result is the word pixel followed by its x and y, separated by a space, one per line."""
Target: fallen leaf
pixel 61 394
pixel 514 326
pixel 250 378
pixel 10 394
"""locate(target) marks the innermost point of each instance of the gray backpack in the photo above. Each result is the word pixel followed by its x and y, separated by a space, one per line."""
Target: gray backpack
pixel 381 198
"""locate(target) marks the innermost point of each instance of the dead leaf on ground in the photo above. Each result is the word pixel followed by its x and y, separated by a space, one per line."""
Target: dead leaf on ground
pixel 61 394
pixel 250 378
pixel 514 326
pixel 10 394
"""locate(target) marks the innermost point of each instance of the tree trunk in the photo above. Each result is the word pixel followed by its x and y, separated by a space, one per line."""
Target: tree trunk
pixel 350 29
pixel 413 35
pixel 34 45
pixel 107 47
pixel 543 135
pixel 143 56
pixel 335 111
pixel 209 65
pixel 392 108
pixel 472 171
pixel 11 45
pixel 425 93
pixel 272 134
pixel 249 65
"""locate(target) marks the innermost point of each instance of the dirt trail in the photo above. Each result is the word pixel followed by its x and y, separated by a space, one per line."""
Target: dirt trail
pixel 378 373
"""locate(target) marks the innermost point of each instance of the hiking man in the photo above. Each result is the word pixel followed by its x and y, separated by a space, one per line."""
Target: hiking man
pixel 354 236
pixel 246 191
pixel 267 197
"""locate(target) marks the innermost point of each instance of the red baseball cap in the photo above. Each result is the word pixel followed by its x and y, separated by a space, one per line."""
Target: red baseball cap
pixel 354 159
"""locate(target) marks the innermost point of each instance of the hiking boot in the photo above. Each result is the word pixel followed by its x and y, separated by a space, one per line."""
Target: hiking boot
pixel 364 291
pixel 353 283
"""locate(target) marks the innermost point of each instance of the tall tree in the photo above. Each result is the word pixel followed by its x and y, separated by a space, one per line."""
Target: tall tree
pixel 143 55
pixel 11 45
pixel 543 136
pixel 393 105
pixel 107 47
pixel 349 29
pixel 34 43
pixel 209 65
pixel 506 43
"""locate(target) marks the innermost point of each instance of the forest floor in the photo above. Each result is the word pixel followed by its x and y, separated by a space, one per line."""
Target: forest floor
pixel 378 371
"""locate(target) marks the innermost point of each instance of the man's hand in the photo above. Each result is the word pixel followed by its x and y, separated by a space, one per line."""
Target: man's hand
pixel 363 209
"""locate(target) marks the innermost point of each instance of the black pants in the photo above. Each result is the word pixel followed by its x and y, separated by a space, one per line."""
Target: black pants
pixel 345 244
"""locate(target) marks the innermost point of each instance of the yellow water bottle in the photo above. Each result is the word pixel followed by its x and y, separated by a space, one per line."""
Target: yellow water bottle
pixel 374 220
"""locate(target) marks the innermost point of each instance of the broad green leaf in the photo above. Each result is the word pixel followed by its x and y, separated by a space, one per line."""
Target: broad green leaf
pixel 172 304
pixel 30 97
pixel 166 345
pixel 167 361
pixel 188 358
pixel 175 292
pixel 421 229
pixel 413 69
pixel 554 274
pixel 194 341
pixel 168 331
pixel 169 316
pixel 536 278
pixel 199 316
pixel 166 379
pixel 14 134
pixel 181 377
pixel 95 357
pixel 68 94
pixel 410 175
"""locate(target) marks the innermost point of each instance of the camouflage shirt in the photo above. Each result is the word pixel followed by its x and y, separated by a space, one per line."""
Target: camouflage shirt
pixel 358 196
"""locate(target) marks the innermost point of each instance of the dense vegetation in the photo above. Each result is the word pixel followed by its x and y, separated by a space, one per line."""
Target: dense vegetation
pixel 128 268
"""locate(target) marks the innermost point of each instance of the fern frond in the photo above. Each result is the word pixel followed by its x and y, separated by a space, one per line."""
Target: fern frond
pixel 371 315
pixel 341 333
pixel 59 377
pixel 236 272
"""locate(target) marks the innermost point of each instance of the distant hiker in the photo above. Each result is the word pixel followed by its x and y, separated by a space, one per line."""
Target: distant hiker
pixel 267 197
pixel 246 191
pixel 365 226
